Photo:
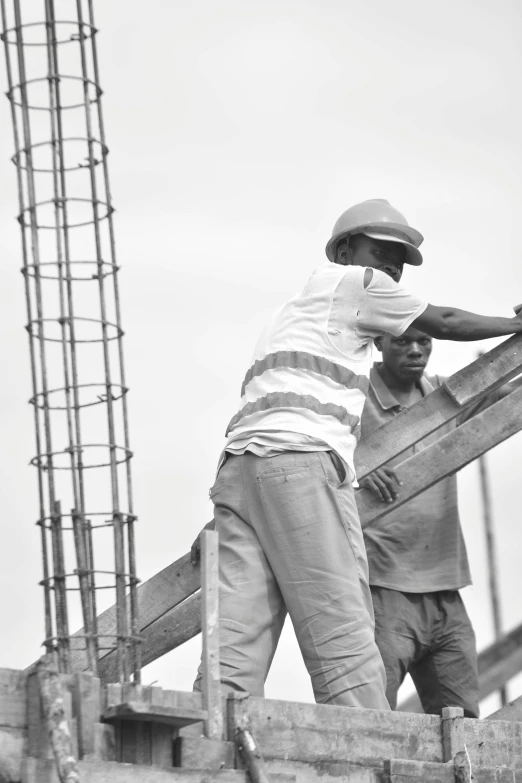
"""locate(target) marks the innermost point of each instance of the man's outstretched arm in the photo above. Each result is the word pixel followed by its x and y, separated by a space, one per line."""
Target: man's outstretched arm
pixel 450 323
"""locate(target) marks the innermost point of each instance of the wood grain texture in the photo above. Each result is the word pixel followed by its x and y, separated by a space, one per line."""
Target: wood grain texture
pixel 168 602
pixel 511 711
pixel 322 733
pixel 477 379
pixel 211 680
pixel 156 596
pixel 448 455
pixel 13 709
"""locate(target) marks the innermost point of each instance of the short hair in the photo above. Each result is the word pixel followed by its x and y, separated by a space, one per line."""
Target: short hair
pixel 351 240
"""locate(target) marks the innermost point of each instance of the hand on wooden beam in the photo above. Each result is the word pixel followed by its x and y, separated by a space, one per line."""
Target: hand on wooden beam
pixel 383 483
pixel 195 549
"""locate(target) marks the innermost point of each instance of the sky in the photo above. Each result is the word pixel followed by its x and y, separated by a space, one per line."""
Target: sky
pixel 238 132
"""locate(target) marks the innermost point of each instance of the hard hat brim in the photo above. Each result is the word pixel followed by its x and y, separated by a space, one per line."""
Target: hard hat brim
pixel 413 255
pixel 389 232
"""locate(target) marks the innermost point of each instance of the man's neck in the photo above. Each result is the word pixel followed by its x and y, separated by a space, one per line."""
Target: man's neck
pixel 405 391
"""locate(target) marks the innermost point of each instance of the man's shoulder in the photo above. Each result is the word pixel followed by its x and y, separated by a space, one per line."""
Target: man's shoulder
pixel 435 380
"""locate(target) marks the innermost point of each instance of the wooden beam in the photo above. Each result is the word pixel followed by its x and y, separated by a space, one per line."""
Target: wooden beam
pixel 156 596
pixel 477 379
pixel 441 459
pixel 41 771
pixel 324 734
pixel 511 711
pixel 149 713
pixel 167 618
pixel 447 455
pixel 175 627
pixel 13 699
pixel 404 771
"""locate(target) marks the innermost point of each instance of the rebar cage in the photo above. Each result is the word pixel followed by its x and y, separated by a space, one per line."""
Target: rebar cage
pixel 83 456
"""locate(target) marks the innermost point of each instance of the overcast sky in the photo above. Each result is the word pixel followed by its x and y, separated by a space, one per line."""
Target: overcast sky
pixel 239 131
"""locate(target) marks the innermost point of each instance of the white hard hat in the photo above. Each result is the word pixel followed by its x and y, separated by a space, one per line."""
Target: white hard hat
pixel 377 219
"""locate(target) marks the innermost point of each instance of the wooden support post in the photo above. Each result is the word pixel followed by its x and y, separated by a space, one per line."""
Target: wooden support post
pixel 452 732
pixel 211 681
pixel 54 711
pixel 491 547
pixel 453 743
pixel 87 709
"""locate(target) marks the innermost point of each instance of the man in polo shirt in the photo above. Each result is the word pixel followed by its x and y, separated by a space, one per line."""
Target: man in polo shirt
pixel 416 553
pixel 285 510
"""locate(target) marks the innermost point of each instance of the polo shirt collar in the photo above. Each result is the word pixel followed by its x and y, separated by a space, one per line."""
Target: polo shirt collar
pixel 384 396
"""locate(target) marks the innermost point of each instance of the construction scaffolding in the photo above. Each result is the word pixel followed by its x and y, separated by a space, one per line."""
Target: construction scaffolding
pixel 79 397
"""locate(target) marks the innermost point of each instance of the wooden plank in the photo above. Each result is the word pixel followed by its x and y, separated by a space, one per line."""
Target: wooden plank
pixel 489 371
pixel 162 745
pixel 447 455
pixel 501 661
pixel 177 582
pixel 38 745
pixel 493 743
pixel 211 679
pixel 56 717
pixel 316 733
pixel 482 376
pixel 404 771
pixel 203 753
pixel 442 458
pixel 98 772
pixel 511 711
pixel 341 772
pixel 105 742
pixel 86 697
pixel 151 713
pixel 12 749
pixel 13 699
pixel 155 597
pixel 177 626
pixel 452 732
pixel 189 700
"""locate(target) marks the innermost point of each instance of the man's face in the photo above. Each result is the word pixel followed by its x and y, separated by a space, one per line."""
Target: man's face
pixel 388 257
pixel 406 357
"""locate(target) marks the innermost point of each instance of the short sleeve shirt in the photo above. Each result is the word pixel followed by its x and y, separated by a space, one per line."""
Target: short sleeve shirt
pixel 382 307
pixel 418 547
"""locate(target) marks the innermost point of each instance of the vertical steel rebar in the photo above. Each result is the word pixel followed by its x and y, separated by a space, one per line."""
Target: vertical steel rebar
pixel 80 399
pixel 32 353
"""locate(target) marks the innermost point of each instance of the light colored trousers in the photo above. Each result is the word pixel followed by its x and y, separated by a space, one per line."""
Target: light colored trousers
pixel 290 540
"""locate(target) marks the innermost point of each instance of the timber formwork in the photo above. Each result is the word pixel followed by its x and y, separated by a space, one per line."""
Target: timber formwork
pixel 170 602
pixel 126 733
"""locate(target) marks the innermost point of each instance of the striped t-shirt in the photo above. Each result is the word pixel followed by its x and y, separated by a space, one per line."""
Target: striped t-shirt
pixel 306 386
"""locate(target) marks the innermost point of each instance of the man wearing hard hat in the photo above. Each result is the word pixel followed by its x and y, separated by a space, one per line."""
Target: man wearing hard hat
pixel 290 536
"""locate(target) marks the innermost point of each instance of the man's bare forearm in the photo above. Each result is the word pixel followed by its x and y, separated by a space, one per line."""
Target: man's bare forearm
pixel 450 323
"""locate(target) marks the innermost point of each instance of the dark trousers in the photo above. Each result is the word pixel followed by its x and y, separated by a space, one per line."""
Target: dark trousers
pixel 430 637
